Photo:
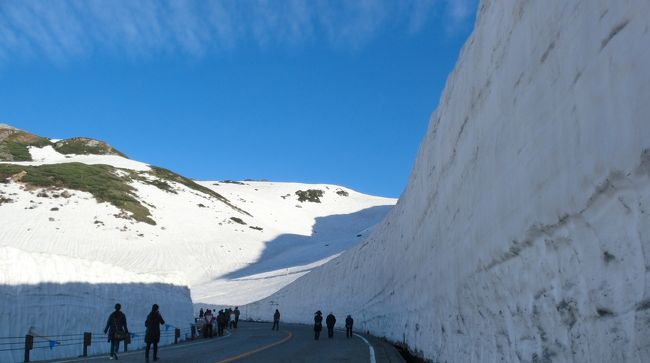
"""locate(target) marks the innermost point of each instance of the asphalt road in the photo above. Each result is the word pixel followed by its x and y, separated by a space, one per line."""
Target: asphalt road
pixel 257 343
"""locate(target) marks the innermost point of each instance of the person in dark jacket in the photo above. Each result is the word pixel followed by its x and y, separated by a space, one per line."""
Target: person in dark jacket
pixel 330 321
pixel 237 313
pixel 116 329
pixel 276 320
pixel 318 324
pixel 221 323
pixel 152 334
pixel 348 326
pixel 201 313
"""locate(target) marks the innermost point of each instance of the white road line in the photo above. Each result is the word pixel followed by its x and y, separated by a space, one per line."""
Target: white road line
pixel 372 350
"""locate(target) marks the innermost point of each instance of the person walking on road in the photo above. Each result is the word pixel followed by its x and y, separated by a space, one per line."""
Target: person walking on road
pixel 237 313
pixel 330 321
pixel 318 324
pixel 152 334
pixel 232 319
pixel 207 324
pixel 116 329
pixel 348 326
pixel 276 320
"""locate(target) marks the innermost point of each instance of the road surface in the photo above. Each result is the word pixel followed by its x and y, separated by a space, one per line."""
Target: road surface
pixel 257 343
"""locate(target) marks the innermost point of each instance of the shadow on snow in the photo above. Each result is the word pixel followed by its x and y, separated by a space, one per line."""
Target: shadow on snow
pixel 330 235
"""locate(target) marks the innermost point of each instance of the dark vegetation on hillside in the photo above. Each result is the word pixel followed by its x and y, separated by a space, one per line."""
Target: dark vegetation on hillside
pixel 166 174
pixel 99 180
pixel 238 220
pixel 233 182
pixel 342 193
pixel 310 195
pixel 14 144
pixel 102 181
pixel 85 146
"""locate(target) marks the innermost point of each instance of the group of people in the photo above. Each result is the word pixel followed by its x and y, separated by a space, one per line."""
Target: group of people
pixel 117 330
pixel 225 318
pixel 330 321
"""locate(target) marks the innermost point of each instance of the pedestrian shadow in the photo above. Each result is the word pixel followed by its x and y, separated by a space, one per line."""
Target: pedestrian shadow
pixel 330 236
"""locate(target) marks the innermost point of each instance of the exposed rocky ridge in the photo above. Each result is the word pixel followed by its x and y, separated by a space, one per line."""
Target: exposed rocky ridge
pixel 85 146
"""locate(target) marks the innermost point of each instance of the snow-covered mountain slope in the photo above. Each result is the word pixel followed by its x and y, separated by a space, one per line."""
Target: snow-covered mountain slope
pixel 142 232
pixel 522 235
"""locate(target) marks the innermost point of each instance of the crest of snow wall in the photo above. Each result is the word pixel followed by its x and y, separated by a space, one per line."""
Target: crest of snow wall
pixel 523 231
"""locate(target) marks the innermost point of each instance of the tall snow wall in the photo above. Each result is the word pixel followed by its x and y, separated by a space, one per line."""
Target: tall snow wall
pixel 522 233
pixel 58 298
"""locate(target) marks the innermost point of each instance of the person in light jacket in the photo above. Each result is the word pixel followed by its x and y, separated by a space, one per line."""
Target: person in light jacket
pixel 207 324
pixel 232 319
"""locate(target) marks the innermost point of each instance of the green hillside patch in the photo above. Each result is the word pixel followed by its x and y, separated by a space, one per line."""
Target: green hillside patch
pixel 309 195
pixel 98 180
pixel 85 146
pixel 166 174
pixel 14 144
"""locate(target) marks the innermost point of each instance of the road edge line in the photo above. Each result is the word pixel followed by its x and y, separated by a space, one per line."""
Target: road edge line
pixel 372 350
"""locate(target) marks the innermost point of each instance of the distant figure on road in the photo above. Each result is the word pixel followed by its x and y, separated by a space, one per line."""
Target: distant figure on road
pixel 276 320
pixel 232 319
pixel 348 326
pixel 221 322
pixel 152 334
pixel 116 329
pixel 318 324
pixel 237 313
pixel 201 313
pixel 207 324
pixel 330 321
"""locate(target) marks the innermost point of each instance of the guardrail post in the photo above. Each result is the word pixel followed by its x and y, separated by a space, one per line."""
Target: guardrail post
pixel 88 337
pixel 29 344
pixel 177 334
pixel 193 330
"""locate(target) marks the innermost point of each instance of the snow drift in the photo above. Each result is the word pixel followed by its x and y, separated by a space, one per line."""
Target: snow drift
pixel 523 231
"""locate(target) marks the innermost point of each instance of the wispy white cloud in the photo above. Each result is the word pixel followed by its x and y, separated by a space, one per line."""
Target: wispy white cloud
pixel 70 29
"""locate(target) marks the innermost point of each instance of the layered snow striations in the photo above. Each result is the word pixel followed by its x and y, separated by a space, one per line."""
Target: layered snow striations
pixel 524 231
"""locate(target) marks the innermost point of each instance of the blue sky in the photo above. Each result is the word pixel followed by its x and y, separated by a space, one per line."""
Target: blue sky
pixel 308 91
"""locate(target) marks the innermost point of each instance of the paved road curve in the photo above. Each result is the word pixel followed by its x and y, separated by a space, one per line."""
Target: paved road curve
pixel 256 343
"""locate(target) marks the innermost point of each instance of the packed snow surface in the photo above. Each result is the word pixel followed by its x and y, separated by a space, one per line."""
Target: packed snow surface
pixel 62 251
pixel 522 235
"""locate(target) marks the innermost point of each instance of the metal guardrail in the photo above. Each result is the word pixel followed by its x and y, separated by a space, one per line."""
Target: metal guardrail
pixel 34 341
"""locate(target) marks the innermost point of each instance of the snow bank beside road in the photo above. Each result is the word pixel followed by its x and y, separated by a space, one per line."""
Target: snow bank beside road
pixel 53 295
pixel 522 234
